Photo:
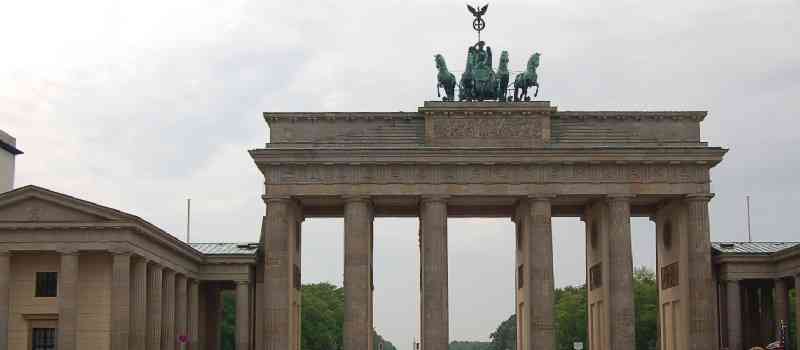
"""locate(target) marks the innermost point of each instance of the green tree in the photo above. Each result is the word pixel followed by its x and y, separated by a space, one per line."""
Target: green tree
pixel 505 336
pixel 645 294
pixel 228 326
pixel 377 339
pixel 322 316
pixel 571 316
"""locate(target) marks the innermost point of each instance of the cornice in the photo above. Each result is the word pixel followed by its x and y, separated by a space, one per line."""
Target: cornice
pixel 133 226
pixel 477 112
pixel 229 259
pixel 484 111
pixel 633 115
pixel 709 156
pixel 65 226
pixel 9 148
pixel 337 116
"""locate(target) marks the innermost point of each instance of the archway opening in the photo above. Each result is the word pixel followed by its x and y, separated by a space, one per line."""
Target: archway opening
pixel 322 295
pixel 481 258
pixel 569 272
pixel 396 278
pixel 645 286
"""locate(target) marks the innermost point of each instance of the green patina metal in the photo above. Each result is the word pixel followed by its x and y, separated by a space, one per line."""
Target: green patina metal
pixel 527 79
pixel 479 82
pixel 446 80
pixel 502 76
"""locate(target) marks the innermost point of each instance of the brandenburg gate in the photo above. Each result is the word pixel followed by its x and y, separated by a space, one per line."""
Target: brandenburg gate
pixel 526 161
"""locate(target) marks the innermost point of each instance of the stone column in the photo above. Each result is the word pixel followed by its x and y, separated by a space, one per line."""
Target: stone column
pixel 620 278
pixel 68 300
pixel 139 305
pixel 734 311
pixel 357 265
pixel 181 307
pixel 781 302
pixel 797 310
pixel 701 328
pixel 243 315
pixel 154 301
pixel 213 316
pixel 279 288
pixel 539 285
pixel 194 314
pixel 5 287
pixel 168 311
pixel 435 320
pixel 120 300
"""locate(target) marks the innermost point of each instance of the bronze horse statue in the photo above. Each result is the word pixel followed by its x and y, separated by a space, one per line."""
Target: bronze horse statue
pixel 527 79
pixel 445 79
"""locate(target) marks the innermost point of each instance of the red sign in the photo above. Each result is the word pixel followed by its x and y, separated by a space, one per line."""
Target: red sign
pixel 183 339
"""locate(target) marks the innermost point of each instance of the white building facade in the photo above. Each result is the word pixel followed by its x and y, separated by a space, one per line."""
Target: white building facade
pixel 8 151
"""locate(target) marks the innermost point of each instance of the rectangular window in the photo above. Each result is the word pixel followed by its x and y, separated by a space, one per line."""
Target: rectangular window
pixel 596 276
pixel 43 339
pixel 520 276
pixel 670 276
pixel 46 284
pixel 297 284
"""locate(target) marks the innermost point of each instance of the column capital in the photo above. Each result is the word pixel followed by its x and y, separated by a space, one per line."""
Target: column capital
pixel 434 198
pixel 541 197
pixel 139 257
pixel 119 251
pixel 238 283
pixel 155 265
pixel 68 251
pixel 620 196
pixel 732 280
pixel 5 252
pixel 351 198
pixel 276 199
pixel 705 197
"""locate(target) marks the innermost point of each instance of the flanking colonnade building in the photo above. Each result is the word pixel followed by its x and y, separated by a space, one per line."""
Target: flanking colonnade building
pixel 122 283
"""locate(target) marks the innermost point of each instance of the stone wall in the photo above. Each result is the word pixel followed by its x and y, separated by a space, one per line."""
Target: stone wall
pixel 22 300
pixel 94 301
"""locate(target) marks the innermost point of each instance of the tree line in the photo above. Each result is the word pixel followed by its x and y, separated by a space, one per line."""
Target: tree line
pixel 322 318
pixel 571 317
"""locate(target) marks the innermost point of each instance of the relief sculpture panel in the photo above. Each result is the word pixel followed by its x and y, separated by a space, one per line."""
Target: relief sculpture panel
pixel 487 130
pixel 486 173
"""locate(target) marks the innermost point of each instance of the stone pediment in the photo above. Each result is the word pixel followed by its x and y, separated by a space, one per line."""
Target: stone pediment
pixel 35 204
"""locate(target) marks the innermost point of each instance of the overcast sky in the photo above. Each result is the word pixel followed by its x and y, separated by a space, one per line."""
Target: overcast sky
pixel 140 104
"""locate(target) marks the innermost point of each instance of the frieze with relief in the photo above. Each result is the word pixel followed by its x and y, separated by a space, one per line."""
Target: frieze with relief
pixel 514 127
pixel 485 173
pixel 487 130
